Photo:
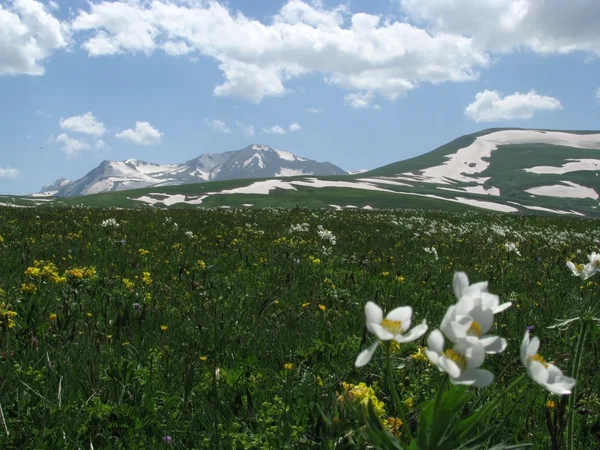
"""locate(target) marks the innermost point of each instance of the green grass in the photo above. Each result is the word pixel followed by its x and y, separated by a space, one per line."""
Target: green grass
pixel 196 348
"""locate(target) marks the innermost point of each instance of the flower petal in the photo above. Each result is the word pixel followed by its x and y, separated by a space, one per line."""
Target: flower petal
pixel 524 346
pixel 484 318
pixel 435 341
pixel 373 313
pixel 365 356
pixel 538 372
pixel 381 332
pixel 413 334
pixel 533 346
pixel 403 314
pixel 493 344
pixel 502 307
pixel 479 378
pixel 449 366
pixel 460 283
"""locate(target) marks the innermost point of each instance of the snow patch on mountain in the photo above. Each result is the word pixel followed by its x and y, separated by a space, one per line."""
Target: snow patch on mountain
pixel 566 190
pixel 469 161
pixel 574 165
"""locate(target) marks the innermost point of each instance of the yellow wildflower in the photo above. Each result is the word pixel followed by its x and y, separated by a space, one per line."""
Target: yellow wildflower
pixel 288 366
pixel 52 316
pixel 322 307
pixel 550 404
pixel 28 288
pixel 164 327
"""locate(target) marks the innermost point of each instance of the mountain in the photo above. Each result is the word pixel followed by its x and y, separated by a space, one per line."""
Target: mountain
pixel 52 188
pixel 510 170
pixel 254 161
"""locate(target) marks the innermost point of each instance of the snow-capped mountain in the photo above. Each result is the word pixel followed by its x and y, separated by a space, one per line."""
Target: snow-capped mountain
pixel 254 161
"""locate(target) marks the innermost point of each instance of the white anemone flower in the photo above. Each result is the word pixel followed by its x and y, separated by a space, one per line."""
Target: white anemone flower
pixel 543 373
pixel 394 326
pixel 475 322
pixel 462 362
pixel 588 270
pixel 471 295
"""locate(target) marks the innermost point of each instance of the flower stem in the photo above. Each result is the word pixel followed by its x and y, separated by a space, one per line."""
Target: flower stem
pixel 398 404
pixel 575 375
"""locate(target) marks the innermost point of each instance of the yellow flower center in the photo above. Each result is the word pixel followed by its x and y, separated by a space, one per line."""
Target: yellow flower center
pixel 459 359
pixel 580 267
pixel 539 358
pixel 393 326
pixel 475 329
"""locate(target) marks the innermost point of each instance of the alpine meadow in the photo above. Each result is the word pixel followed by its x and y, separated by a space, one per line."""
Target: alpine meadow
pixel 299 224
pixel 241 329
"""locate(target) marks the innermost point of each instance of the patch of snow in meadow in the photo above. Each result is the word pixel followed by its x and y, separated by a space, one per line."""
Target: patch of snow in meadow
pixel 556 211
pixel 474 190
pixel 384 181
pixel 284 172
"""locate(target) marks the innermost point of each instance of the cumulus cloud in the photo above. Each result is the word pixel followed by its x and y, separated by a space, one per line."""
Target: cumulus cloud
pixel 248 130
pixel 357 52
pixel 294 127
pixel 489 106
pixel 218 125
pixel 9 172
pixel 143 134
pixel 360 100
pixel 543 26
pixel 71 146
pixel 29 34
pixel 313 110
pixel 275 129
pixel 85 124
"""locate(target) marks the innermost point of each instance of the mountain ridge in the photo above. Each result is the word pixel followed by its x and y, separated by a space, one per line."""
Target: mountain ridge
pixel 253 161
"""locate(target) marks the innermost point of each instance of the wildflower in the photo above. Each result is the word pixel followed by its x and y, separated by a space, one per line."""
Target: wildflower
pixel 89 314
pixel 202 264
pixel 306 305
pixel 543 373
pixel 164 327
pixel 110 223
pixel 512 247
pixel 409 402
pixel 52 316
pixel 363 394
pixel 419 355
pixel 395 326
pixel 585 271
pixel 288 366
pixel 393 424
pixel 33 272
pixel 550 404
pixel 6 316
pixel 203 358
pixel 28 288
pixel 322 307
pixel 146 278
pixel 462 362
pixel 129 285
pixel 167 439
pixel 469 295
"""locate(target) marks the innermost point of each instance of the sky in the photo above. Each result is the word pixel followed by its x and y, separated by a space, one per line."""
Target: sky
pixel 359 83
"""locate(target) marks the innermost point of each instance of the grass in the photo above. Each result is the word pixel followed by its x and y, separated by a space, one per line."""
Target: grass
pixel 241 334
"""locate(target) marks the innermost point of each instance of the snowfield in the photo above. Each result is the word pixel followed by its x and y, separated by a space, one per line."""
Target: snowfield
pixel 566 190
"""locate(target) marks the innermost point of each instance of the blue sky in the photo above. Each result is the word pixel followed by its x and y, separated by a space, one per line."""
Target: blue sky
pixel 358 83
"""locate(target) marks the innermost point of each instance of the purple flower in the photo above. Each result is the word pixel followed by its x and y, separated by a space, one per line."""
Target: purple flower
pixel 136 306
pixel 530 327
pixel 167 439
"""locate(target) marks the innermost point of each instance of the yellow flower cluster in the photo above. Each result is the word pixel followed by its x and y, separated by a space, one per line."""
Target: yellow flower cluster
pixel 419 355
pixel 6 316
pixel 45 270
pixel 201 264
pixel 129 285
pixel 81 273
pixel 361 393
pixel 146 278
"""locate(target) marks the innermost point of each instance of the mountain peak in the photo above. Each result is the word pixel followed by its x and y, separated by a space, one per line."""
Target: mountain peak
pixel 254 161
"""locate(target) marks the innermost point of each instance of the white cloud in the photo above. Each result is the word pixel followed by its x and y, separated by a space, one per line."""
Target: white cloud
pixel 218 125
pixel 101 145
pixel 248 130
pixel 71 146
pixel 489 106
pixel 28 35
pixel 358 52
pixel 313 110
pixel 359 100
pixel 9 172
pixel 275 129
pixel 294 127
pixel 543 26
pixel 598 94
pixel 85 124
pixel 43 114
pixel 144 134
